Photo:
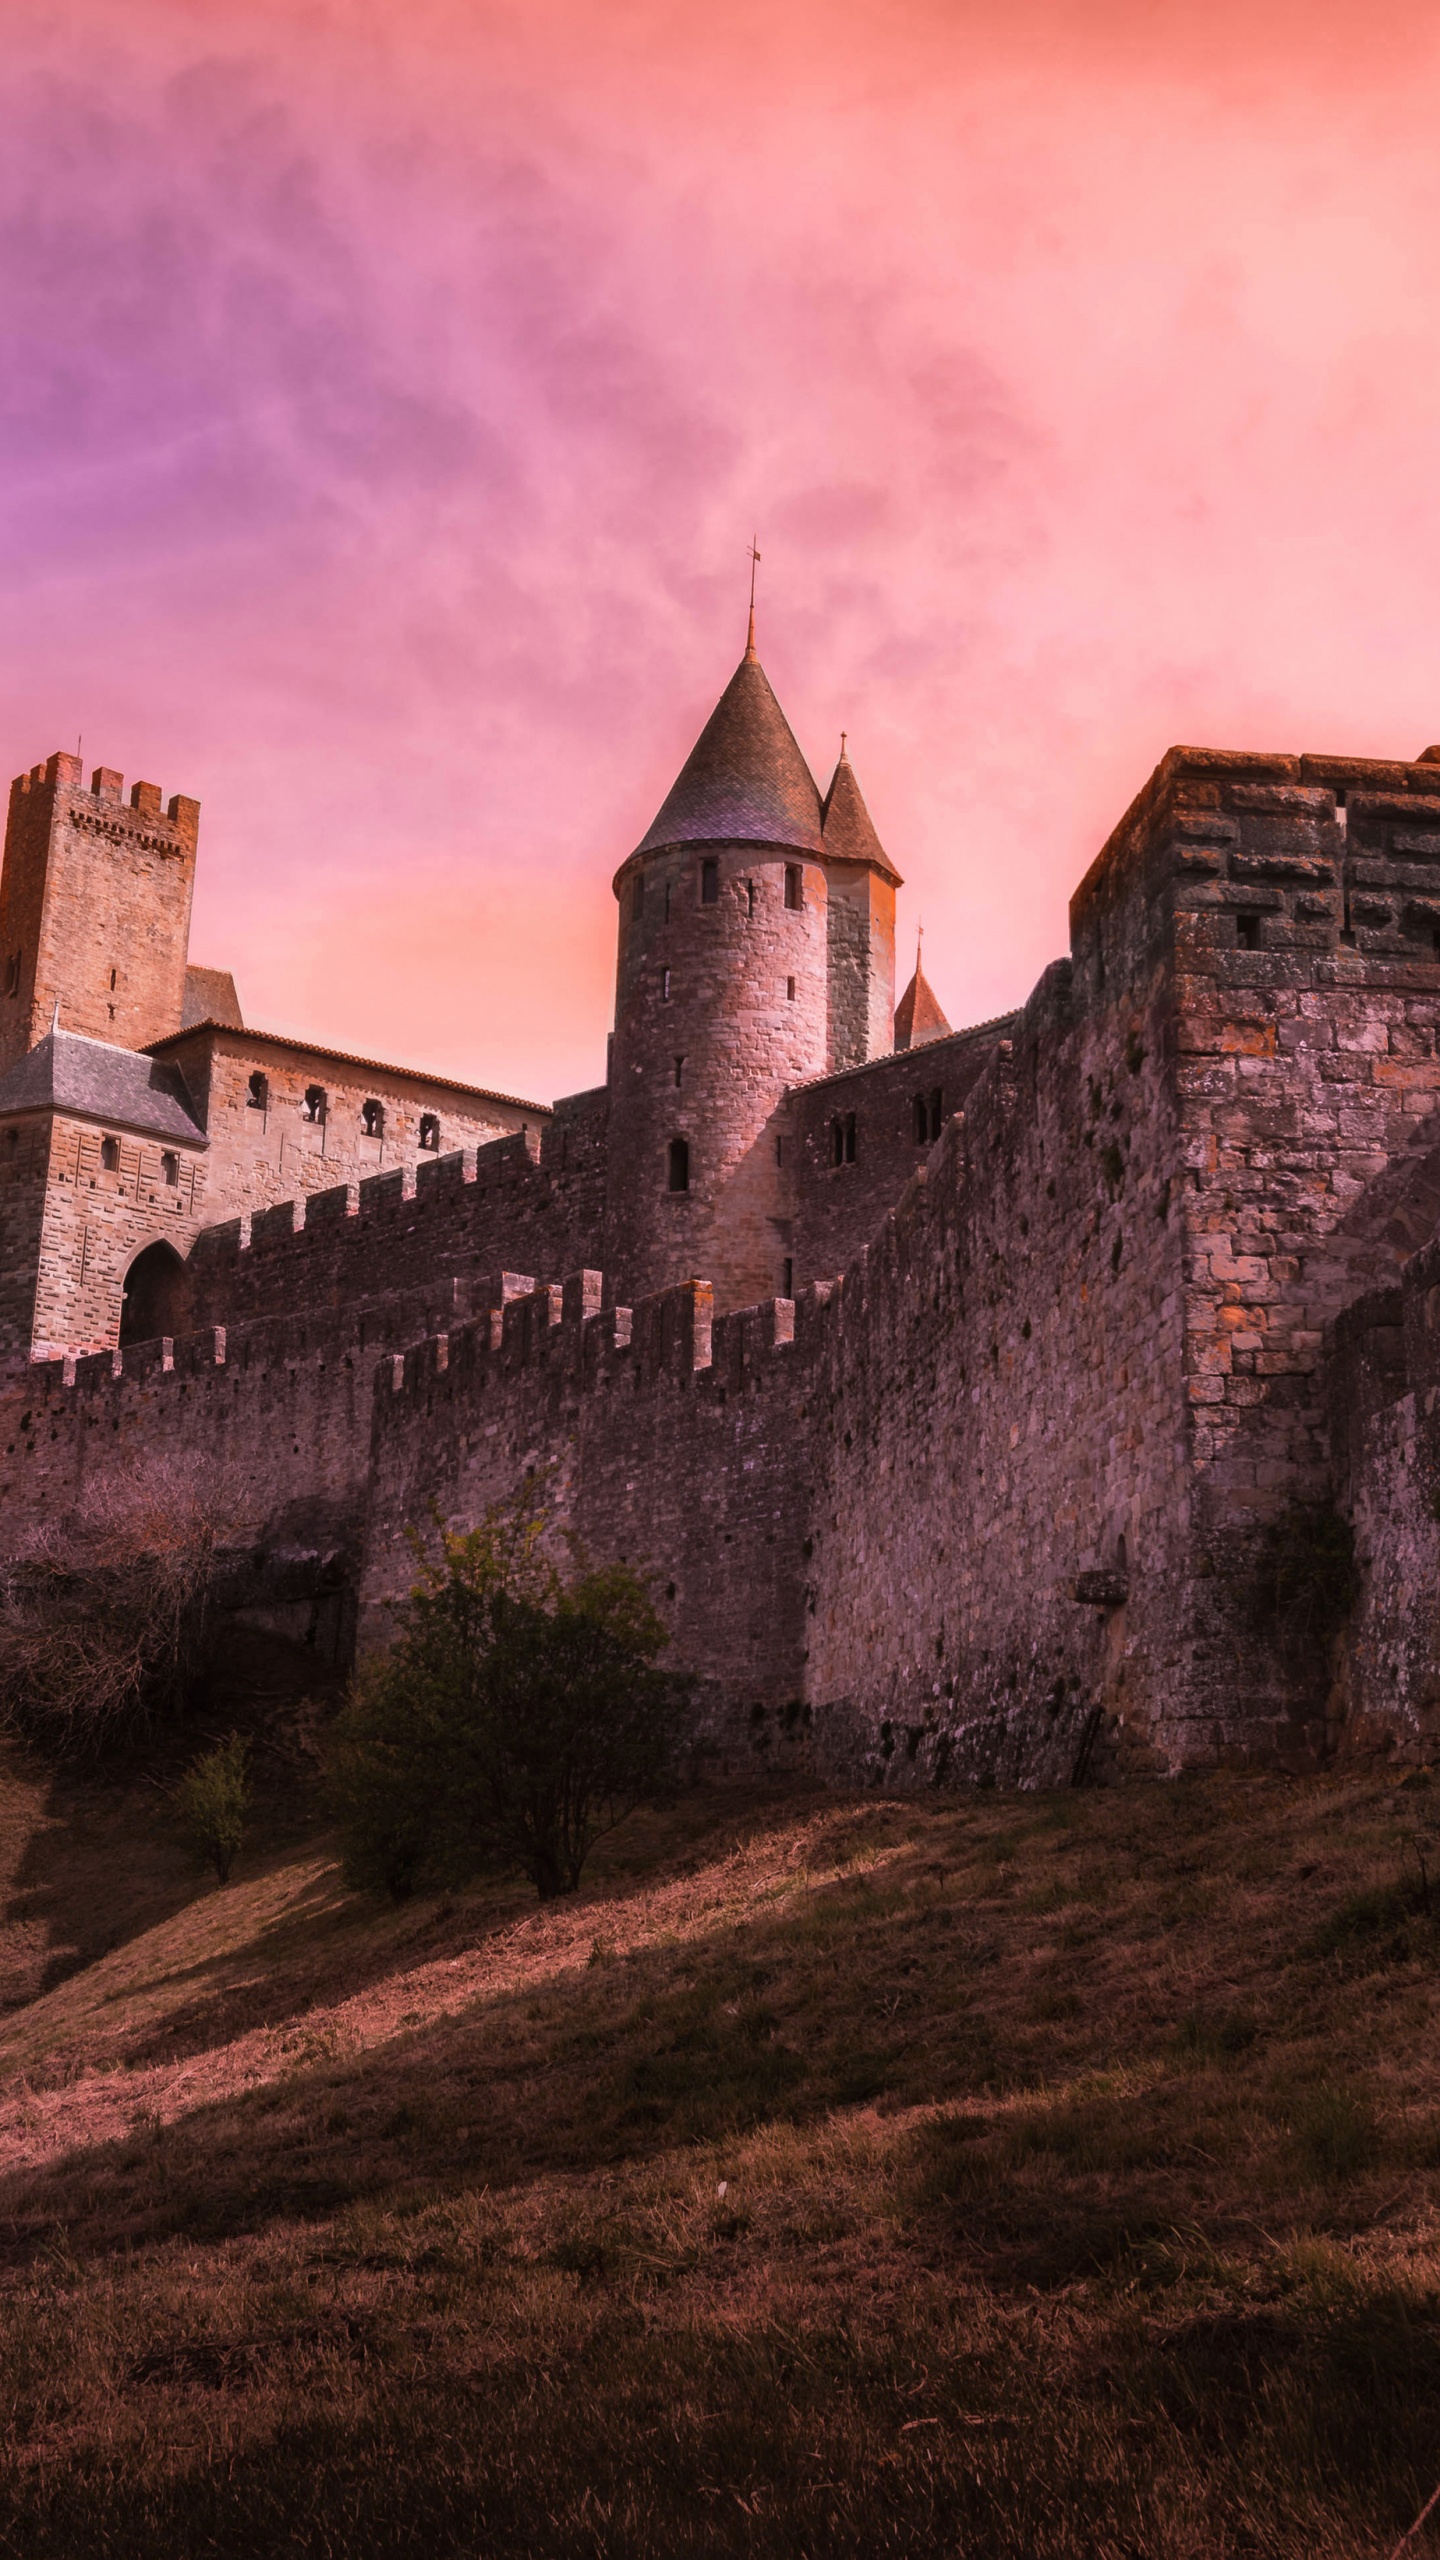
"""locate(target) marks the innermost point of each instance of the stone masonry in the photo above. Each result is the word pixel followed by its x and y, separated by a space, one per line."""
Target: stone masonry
pixel 959 1396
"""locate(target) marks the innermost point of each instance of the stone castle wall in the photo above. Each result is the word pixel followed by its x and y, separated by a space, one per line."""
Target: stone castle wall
pixel 263 1153
pixel 992 1504
pixel 526 1203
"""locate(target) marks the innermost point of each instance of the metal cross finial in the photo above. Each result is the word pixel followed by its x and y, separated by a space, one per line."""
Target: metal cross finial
pixel 754 565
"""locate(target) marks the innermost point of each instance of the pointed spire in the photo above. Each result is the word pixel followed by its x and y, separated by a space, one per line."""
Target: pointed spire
pixel 744 780
pixel 754 565
pixel 848 828
pixel 918 1017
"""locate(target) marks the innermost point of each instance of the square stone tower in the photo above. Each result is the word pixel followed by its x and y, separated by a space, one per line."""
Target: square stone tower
pixel 94 908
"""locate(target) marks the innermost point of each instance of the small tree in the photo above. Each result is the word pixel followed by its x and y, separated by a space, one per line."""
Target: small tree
pixel 212 1802
pixel 518 1717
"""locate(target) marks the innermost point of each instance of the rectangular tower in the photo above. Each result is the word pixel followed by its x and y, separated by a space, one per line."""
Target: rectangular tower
pixel 94 908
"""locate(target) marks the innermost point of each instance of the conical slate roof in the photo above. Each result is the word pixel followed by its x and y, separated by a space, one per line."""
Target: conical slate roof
pixel 918 1017
pixel 744 780
pixel 92 1080
pixel 847 826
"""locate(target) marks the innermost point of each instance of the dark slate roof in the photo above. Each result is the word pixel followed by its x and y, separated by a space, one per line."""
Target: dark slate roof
pixel 744 780
pixel 90 1080
pixel 210 997
pixel 918 1017
pixel 848 828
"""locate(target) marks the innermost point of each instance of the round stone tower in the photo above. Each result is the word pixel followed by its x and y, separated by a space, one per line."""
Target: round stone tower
pixel 754 954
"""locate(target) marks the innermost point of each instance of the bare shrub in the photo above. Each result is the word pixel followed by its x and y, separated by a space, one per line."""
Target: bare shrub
pixel 104 1616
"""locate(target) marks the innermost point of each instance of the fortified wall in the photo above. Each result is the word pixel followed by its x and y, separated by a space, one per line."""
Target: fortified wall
pixel 1065 1334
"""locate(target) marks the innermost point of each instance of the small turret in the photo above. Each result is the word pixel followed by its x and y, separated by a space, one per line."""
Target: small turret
pixel 863 881
pixel 918 1017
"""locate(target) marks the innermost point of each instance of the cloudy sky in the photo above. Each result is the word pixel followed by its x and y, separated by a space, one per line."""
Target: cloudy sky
pixel 390 393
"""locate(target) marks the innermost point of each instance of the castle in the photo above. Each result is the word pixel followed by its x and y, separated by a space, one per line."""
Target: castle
pixel 961 1389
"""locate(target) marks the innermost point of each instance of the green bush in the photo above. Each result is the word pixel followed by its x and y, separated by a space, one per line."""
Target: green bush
pixel 212 1801
pixel 518 1716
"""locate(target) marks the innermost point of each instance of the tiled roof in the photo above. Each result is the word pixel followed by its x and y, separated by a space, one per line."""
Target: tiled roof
pixel 744 780
pixel 248 1036
pixel 91 1080
pixel 918 1017
pixel 997 1025
pixel 848 828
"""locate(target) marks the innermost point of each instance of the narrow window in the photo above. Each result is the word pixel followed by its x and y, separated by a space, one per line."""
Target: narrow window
pixel 679 1164
pixel 750 897
pixel 921 1117
pixel 1247 933
pixel 849 1137
pixel 110 1154
pixel 789 990
pixel 12 1141
pixel 679 1070
pixel 937 1110
pixel 314 1106
pixel 258 1096
pixel 112 982
pixel 664 986
pixel 170 1168
pixel 788 1287
pixel 12 974
pixel 637 899
pixel 372 1118
pixel 667 901
pixel 794 885
pixel 710 881
pixel 837 1141
pixel 430 1133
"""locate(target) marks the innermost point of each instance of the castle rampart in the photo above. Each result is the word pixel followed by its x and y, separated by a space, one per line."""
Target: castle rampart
pixel 956 1399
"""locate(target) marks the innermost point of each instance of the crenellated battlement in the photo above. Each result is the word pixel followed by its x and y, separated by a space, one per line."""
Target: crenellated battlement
pixel 467 1212
pixel 673 1335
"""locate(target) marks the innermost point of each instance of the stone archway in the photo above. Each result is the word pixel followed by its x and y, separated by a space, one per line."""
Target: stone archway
pixel 154 1298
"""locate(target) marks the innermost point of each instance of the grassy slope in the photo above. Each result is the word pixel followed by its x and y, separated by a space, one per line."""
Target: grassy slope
pixel 1041 2176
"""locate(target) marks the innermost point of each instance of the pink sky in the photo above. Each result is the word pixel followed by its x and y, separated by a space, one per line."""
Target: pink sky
pixel 390 394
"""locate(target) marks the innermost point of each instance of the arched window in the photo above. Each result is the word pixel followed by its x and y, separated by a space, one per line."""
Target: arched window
pixel 842 1138
pixel 12 1142
pixel 154 1298
pixel 313 1107
pixel 921 1117
pixel 257 1097
pixel 710 881
pixel 372 1118
pixel 679 1164
pixel 110 1155
pixel 430 1132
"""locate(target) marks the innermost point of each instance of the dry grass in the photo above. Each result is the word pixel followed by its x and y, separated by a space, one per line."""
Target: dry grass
pixel 1031 2177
